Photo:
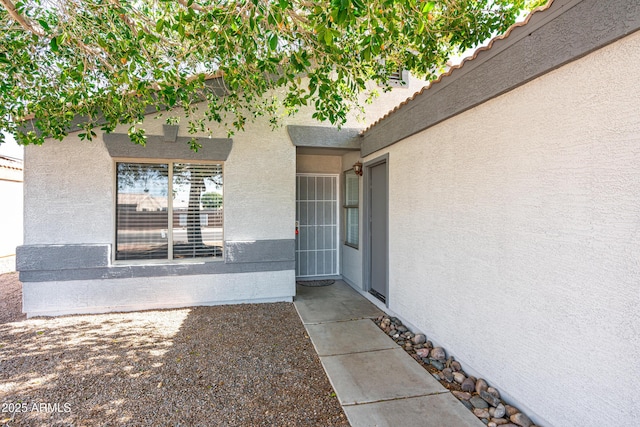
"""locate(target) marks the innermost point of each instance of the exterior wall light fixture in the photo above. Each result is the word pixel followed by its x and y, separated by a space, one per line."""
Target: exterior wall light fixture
pixel 357 168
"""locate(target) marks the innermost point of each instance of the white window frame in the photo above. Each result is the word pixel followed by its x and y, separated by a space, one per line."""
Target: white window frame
pixel 348 207
pixel 169 259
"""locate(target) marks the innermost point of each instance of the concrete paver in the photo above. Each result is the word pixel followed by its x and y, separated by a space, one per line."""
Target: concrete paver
pixel 441 410
pixel 377 382
pixel 351 336
pixel 336 308
pixel 378 375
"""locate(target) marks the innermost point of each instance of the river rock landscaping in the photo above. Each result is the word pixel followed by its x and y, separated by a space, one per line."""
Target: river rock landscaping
pixel 474 393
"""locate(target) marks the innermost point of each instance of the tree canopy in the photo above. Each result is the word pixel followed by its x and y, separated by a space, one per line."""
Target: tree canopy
pixel 112 61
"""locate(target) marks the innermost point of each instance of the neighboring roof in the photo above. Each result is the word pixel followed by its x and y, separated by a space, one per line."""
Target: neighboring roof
pixel 454 68
pixel 10 169
pixel 551 37
pixel 143 202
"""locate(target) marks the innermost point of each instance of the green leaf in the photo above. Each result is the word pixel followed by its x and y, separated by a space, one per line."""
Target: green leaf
pixel 53 44
pixel 273 41
pixel 428 6
pixel 44 24
pixel 328 37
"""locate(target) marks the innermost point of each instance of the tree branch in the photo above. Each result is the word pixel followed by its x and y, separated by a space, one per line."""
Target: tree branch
pixel 24 23
pixel 194 6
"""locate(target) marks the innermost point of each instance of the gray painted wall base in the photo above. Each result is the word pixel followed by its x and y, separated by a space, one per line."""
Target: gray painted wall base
pixel 46 263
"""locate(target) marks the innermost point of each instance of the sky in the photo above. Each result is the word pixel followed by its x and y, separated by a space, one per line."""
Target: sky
pixel 10 149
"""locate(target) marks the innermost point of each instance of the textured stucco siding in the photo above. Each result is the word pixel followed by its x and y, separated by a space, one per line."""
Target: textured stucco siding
pixel 98 296
pixel 70 188
pixel 69 200
pixel 515 239
pixel 69 193
pixel 351 257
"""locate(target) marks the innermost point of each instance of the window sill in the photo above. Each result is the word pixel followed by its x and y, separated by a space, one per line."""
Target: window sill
pixel 154 262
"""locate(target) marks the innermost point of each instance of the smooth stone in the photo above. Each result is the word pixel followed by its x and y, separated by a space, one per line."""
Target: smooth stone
pixel 481 385
pixel 428 344
pixel 438 353
pixel 492 424
pixel 468 385
pixel 511 410
pixel 490 398
pixel 492 412
pixel 392 332
pixel 436 376
pixel 402 328
pixel 462 395
pixel 468 405
pixel 437 364
pixel 478 402
pixel 481 413
pixel 494 391
pixel 422 352
pixel 520 419
pixel 500 421
pixel 459 377
pixel 419 339
pixel 500 411
pixel 456 366
pixel 448 375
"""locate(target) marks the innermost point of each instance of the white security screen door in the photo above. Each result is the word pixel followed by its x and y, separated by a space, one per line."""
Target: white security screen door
pixel 317 221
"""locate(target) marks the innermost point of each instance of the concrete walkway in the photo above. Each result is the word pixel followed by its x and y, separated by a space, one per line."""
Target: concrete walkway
pixel 377 382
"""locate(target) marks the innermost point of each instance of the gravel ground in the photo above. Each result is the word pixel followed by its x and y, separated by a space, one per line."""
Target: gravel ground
pixel 241 365
pixel 10 298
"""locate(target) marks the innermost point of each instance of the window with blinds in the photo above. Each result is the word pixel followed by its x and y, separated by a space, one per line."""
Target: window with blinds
pixel 351 198
pixel 167 211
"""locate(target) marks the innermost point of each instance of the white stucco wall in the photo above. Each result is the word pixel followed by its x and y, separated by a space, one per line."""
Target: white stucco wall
pixel 70 188
pixel 351 257
pixel 52 298
pixel 69 193
pixel 515 239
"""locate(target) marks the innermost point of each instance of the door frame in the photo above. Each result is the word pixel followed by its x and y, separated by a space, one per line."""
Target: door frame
pixel 366 219
pixel 338 225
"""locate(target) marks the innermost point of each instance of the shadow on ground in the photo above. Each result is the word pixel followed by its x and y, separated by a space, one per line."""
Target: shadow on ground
pixel 227 365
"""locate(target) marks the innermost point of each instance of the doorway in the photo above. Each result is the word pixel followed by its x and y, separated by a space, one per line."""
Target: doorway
pixel 317 225
pixel 376 265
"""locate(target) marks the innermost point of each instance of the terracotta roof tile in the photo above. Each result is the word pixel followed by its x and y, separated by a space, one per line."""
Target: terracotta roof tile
pixel 10 169
pixel 10 163
pixel 462 63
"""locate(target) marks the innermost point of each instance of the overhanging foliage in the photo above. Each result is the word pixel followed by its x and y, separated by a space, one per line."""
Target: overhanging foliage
pixel 111 61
